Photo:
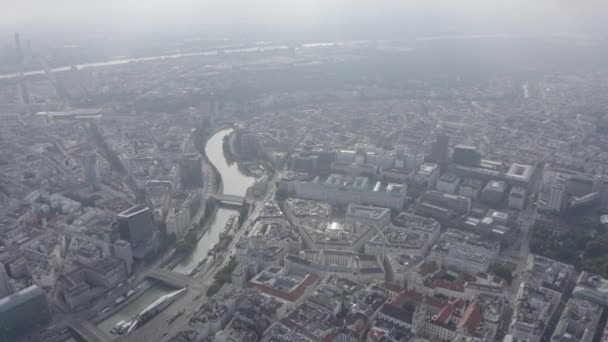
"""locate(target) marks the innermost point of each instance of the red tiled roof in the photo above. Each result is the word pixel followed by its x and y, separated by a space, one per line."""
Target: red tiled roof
pixel 459 303
pixel 471 318
pixel 435 302
pixel 444 315
pixel 416 297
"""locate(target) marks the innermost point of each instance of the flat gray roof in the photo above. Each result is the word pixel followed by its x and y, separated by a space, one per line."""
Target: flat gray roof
pixel 133 211
pixel 20 297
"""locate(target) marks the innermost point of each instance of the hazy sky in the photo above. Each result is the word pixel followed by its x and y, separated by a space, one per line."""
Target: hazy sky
pixel 476 16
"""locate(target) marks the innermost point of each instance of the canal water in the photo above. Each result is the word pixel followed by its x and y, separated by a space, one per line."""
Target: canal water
pixel 206 242
pixel 234 183
pixel 228 51
pixel 151 58
pixel 233 180
pixel 134 307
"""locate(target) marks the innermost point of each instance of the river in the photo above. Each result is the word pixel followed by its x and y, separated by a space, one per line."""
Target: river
pixel 256 48
pixel 234 182
pixel 120 61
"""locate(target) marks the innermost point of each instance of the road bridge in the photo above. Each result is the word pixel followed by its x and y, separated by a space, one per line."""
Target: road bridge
pixel 88 331
pixel 170 278
pixel 229 199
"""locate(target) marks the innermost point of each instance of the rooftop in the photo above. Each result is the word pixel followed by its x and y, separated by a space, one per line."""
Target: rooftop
pixel 334 232
pixel 551 273
pixel 520 172
pixel 591 287
pixel 313 319
pixel 21 297
pixel 347 182
pixel 455 239
pixel 403 262
pixel 427 169
pixel 275 230
pixel 578 321
pixel 283 283
pixel 496 185
pixel 472 182
pixel 301 207
pixel 338 261
pixel 403 238
pixel 416 222
pixel 533 308
pixel 133 211
pixel 366 212
pixel 332 290
pixel 448 177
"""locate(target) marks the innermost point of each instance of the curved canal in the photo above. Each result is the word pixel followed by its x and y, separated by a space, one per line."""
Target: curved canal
pixel 234 182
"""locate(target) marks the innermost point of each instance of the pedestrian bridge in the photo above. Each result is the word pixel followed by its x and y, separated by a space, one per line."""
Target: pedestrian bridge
pixel 170 278
pixel 229 199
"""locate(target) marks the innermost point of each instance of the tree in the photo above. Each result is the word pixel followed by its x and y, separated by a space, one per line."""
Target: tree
pixel 188 244
pixel 595 248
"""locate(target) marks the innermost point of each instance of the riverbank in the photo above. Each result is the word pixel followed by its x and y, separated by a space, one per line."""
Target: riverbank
pixel 227 179
pixel 233 155
pixel 238 181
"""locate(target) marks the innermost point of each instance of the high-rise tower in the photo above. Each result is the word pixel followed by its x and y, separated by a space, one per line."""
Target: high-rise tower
pixel 90 170
pixel 5 285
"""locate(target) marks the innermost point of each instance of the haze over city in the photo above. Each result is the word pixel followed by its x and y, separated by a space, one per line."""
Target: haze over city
pixel 236 17
pixel 314 171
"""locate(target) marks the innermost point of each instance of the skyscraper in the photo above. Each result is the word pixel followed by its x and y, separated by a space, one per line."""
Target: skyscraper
pixel 22 85
pixel 19 51
pixel 136 225
pixel 23 312
pixel 5 285
pixel 556 197
pixel 439 150
pixel 90 171
pixel 122 250
pixel 191 170
pixel 466 155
